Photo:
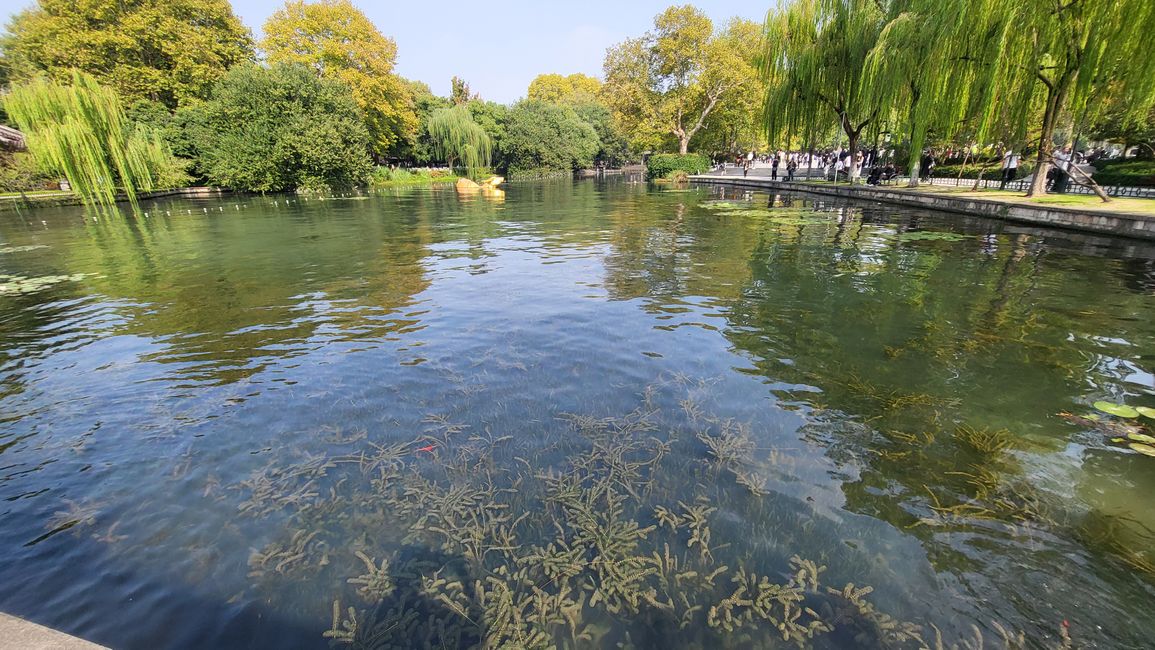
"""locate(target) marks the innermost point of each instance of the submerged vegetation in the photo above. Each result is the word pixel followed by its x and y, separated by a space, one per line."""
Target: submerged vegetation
pixel 607 531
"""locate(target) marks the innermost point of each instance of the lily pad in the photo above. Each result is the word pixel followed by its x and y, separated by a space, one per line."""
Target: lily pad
pixel 1146 411
pixel 1146 450
pixel 1142 437
pixel 1118 410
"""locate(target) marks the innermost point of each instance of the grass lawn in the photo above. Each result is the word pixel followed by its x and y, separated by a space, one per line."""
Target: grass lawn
pixel 1082 202
pixel 16 195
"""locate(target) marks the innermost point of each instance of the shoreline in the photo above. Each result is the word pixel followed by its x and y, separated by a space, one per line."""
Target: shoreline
pixel 1102 221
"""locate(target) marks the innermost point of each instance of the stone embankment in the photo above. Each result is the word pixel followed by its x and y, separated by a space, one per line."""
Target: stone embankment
pixel 1105 221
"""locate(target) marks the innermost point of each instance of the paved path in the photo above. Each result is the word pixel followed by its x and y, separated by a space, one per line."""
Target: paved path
pixel 19 634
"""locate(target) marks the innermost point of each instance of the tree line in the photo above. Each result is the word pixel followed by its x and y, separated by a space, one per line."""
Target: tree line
pixel 317 103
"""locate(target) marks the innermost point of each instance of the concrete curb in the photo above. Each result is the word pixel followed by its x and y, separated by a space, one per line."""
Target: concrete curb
pixel 19 634
pixel 1112 223
pixel 13 203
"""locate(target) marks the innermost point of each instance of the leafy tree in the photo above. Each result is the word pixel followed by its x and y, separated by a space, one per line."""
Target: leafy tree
pixel 336 40
pixel 281 128
pixel 492 118
pixel 165 51
pixel 614 147
pixel 736 125
pixel 80 130
pixel 1071 48
pixel 419 147
pixel 557 89
pixel 814 64
pixel 668 82
pixel 544 138
pixel 457 138
pixel 459 92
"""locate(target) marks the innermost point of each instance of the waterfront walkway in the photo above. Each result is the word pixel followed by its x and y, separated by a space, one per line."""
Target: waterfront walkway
pixel 19 634
pixel 1128 217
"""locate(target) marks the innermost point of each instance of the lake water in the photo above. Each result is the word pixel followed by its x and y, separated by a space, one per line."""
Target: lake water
pixel 578 414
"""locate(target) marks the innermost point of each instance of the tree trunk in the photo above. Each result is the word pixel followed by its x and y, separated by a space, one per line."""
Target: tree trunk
pixel 1056 93
pixel 916 140
pixel 683 145
pixel 852 164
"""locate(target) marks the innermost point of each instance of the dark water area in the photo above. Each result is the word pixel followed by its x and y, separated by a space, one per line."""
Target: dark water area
pixel 587 414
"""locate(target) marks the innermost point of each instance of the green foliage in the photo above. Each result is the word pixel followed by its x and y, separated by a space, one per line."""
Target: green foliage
pixel 667 83
pixel 165 51
pixel 20 173
pixel 614 146
pixel 386 177
pixel 281 128
pixel 337 41
pixel 419 146
pixel 556 89
pixel 1129 172
pixel 455 137
pixel 662 165
pixel 80 130
pixel 544 139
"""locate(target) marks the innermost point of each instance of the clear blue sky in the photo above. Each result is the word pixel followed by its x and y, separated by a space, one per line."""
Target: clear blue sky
pixel 500 51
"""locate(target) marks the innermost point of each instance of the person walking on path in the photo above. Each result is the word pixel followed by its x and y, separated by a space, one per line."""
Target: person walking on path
pixel 1010 167
pixel 774 169
pixel 791 166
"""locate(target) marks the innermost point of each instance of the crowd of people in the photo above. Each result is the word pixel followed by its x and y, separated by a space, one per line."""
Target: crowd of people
pixel 833 164
pixel 877 166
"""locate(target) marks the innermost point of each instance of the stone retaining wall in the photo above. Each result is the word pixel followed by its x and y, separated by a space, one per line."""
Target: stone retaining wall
pixel 11 203
pixel 1114 223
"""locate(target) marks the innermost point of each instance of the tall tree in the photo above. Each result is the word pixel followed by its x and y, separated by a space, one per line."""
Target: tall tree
pixel 1071 48
pixel 737 125
pixel 80 130
pixel 459 92
pixel 457 138
pixel 337 41
pixel 669 81
pixel 165 51
pixel 557 89
pixel 814 65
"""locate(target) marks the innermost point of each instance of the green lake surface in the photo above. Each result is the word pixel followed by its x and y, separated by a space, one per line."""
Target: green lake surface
pixel 581 414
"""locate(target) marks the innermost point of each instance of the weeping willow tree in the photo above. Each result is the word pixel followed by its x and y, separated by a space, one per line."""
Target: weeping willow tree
pixel 456 137
pixel 814 63
pixel 935 62
pixel 80 130
pixel 1069 50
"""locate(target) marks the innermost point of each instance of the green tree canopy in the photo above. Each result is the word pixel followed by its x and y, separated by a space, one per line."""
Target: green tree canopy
pixel 542 139
pixel 558 89
pixel 165 51
pixel 814 63
pixel 669 81
pixel 281 128
pixel 336 40
pixel 80 130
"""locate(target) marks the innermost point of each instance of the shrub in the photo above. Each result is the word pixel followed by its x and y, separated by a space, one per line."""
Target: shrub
pixel 1127 172
pixel 661 165
pixel 281 128
pixel 20 173
pixel 680 176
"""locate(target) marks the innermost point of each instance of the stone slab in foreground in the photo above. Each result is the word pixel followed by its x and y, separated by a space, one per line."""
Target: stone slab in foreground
pixel 1101 221
pixel 19 634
